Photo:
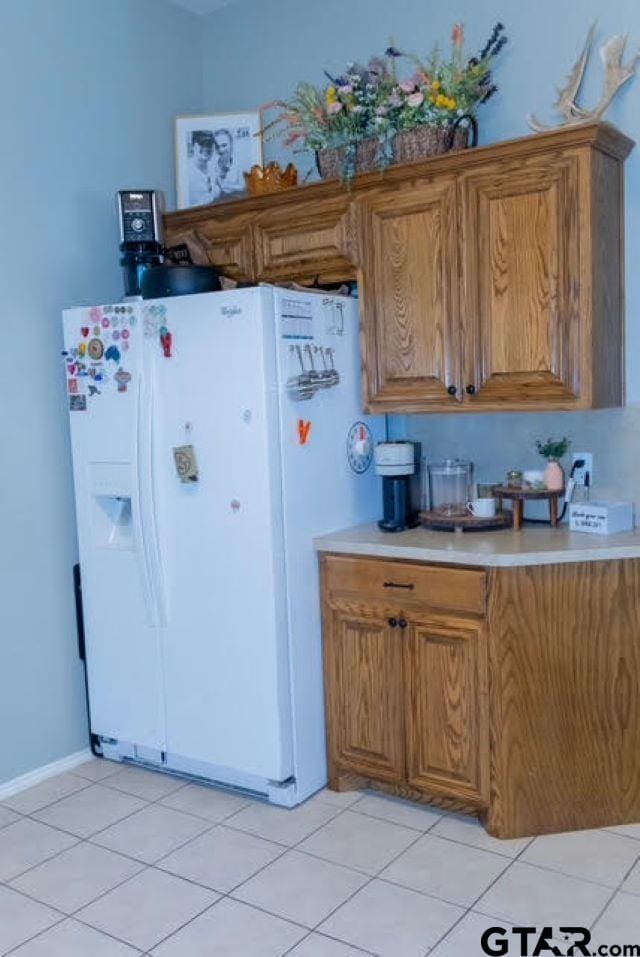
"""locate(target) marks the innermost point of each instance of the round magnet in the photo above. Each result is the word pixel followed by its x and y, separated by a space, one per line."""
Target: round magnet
pixel 97 330
pixel 82 349
pixel 95 349
pixel 105 323
pixel 115 334
pixel 125 333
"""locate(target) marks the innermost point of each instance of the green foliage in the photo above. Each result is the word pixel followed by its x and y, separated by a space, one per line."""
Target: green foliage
pixel 553 449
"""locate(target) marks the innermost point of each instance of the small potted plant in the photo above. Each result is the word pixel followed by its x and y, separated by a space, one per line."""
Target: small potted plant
pixel 553 450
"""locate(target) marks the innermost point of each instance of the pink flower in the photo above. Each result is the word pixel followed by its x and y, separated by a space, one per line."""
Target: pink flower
pixel 420 78
pixel 407 86
pixel 457 35
pixel 394 101
pixel 347 88
pixel 415 99
pixel 334 108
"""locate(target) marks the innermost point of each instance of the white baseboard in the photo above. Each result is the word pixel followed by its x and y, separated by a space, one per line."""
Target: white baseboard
pixel 41 774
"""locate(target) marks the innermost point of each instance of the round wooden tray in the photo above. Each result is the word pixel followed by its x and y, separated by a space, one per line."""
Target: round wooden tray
pixel 465 523
pixel 521 495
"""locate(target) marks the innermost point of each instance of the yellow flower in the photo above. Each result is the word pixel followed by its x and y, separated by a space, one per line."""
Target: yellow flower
pixel 331 95
pixel 435 85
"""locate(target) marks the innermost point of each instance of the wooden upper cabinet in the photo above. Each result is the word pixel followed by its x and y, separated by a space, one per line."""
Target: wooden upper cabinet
pixel 489 279
pixel 313 242
pixel 225 243
pixel 524 329
pixel 408 278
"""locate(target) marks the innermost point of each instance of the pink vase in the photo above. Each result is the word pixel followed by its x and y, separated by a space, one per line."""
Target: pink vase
pixel 554 476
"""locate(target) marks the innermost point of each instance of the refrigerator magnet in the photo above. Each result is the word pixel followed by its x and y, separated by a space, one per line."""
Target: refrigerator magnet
pixel 184 457
pixel 113 353
pixel 95 349
pixel 77 403
pixel 304 431
pixel 166 340
pixel 123 378
pixel 72 386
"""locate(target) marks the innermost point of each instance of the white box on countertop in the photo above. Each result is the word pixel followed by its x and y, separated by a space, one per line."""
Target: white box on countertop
pixel 601 518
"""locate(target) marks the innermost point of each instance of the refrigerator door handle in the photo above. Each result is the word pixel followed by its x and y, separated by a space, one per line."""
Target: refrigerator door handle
pixel 146 498
pixel 140 516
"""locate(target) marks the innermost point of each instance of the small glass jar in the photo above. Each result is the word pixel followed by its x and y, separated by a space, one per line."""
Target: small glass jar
pixel 514 478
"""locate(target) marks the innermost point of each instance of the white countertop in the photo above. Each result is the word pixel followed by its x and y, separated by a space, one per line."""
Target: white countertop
pixel 502 549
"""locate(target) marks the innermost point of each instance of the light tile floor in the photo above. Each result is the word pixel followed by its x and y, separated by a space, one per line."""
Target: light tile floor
pixel 111 861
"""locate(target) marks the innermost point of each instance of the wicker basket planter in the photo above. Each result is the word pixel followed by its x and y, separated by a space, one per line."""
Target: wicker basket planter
pixel 331 162
pixel 407 146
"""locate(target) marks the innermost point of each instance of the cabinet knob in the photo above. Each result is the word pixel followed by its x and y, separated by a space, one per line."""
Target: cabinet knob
pixel 471 390
pixel 452 390
pixel 402 623
pixel 393 622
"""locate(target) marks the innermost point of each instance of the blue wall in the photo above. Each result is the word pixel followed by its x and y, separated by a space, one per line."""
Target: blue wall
pixel 90 89
pixel 257 52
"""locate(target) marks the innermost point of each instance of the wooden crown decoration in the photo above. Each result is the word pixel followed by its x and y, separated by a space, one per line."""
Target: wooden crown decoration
pixel 270 178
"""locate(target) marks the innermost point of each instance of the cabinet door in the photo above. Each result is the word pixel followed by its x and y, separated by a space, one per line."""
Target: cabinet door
pixel 364 691
pixel 227 244
pixel 521 284
pixel 447 709
pixel 309 241
pixel 409 297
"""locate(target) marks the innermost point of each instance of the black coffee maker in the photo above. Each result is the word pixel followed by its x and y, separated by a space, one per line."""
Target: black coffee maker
pixel 139 214
pixel 395 462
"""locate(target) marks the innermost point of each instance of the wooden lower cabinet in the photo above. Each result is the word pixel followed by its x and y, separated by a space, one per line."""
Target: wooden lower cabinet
pixel 366 686
pixel 406 690
pixel 447 714
pixel 516 698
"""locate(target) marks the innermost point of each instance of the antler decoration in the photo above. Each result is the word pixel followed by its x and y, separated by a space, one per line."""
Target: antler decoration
pixel 616 74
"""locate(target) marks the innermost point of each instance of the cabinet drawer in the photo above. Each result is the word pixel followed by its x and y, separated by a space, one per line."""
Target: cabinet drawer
pixel 438 586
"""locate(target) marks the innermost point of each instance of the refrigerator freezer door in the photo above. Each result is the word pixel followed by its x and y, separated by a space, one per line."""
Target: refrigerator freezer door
pixel 217 476
pixel 322 490
pixel 105 393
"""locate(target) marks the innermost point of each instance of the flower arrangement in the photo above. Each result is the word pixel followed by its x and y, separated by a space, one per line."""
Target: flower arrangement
pixel 553 449
pixel 373 101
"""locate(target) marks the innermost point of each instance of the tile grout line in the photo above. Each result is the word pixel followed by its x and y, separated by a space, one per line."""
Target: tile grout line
pixel 616 891
pixel 370 880
pixel 225 823
pixel 227 895
pixel 480 896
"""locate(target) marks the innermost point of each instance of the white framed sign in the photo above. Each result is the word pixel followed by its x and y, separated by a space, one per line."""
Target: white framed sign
pixel 212 152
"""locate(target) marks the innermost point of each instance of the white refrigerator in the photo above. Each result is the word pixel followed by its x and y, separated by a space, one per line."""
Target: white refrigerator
pixel 213 437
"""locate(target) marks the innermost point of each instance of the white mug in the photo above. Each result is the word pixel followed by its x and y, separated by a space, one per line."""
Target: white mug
pixel 482 507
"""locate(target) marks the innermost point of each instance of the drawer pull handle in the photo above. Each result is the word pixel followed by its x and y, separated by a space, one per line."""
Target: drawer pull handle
pixel 393 622
pixel 410 587
pixel 402 623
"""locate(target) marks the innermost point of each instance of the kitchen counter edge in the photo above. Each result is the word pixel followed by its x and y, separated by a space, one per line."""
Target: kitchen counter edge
pixel 497 549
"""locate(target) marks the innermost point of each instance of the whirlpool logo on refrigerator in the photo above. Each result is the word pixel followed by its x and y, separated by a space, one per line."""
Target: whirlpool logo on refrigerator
pixel 231 311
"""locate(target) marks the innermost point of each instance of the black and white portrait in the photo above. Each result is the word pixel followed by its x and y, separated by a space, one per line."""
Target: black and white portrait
pixel 212 153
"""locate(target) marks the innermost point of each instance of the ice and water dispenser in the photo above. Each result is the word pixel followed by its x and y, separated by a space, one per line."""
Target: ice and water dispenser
pixel 112 518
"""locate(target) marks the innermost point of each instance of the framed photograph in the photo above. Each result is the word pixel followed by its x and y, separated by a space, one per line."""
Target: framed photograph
pixel 212 153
